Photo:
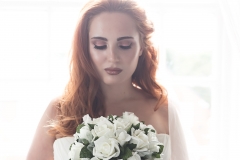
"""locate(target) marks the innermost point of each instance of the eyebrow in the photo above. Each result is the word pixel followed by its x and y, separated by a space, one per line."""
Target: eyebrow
pixel 101 38
pixel 121 38
pixel 118 39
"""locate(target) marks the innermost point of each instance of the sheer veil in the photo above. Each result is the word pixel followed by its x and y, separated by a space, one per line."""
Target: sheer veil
pixel 177 139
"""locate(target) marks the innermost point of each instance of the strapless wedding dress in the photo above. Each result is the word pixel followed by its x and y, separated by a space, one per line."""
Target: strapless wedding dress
pixel 61 147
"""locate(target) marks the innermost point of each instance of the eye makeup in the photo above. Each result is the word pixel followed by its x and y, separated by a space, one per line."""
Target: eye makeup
pixel 125 47
pixel 100 47
pixel 125 44
pixel 99 44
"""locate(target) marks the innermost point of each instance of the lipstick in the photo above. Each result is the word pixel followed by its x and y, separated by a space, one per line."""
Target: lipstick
pixel 113 71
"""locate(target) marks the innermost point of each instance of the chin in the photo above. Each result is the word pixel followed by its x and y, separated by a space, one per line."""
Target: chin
pixel 110 83
pixel 114 81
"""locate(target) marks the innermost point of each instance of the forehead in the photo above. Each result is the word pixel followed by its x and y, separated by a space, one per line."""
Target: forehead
pixel 112 24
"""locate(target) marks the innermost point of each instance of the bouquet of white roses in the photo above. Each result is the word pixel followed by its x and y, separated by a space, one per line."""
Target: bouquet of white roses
pixel 115 138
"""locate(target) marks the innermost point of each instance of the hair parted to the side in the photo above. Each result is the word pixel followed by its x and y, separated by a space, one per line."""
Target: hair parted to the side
pixel 83 93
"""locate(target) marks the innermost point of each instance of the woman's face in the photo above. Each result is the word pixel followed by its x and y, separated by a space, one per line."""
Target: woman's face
pixel 114 46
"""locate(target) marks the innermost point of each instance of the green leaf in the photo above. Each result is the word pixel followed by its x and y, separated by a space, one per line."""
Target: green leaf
pixel 152 130
pixel 121 151
pixel 79 127
pixel 91 126
pixel 110 118
pixel 132 146
pixel 95 138
pixel 127 154
pixel 145 157
pixel 160 148
pixel 90 147
pixel 146 130
pixel 129 130
pixel 70 147
pixel 85 153
pixel 156 155
pixel 84 142
pixel 136 126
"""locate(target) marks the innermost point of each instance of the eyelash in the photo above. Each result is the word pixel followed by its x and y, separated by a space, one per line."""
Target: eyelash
pixel 126 47
pixel 100 47
pixel 105 46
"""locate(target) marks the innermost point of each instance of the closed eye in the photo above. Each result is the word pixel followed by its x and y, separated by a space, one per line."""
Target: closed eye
pixel 100 47
pixel 126 47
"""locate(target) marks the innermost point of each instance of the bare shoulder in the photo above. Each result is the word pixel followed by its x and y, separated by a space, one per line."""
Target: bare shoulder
pixel 159 116
pixel 42 144
pixel 162 108
pixel 52 108
pixel 153 111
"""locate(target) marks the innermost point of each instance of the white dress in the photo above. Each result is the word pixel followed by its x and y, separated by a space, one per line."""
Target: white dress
pixel 174 143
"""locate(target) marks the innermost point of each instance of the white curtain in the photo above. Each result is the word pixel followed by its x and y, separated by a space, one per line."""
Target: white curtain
pixel 226 96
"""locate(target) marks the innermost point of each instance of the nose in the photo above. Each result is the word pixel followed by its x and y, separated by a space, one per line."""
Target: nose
pixel 113 55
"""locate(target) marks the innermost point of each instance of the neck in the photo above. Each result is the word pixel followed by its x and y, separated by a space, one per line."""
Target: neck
pixel 117 93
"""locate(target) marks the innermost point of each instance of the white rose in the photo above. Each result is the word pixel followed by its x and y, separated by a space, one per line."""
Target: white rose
pixel 122 123
pixel 103 128
pixel 131 117
pixel 75 151
pixel 106 148
pixel 101 120
pixel 85 133
pixel 153 142
pixel 153 147
pixel 122 136
pixel 76 137
pixel 140 139
pixel 145 153
pixel 152 136
pixel 87 119
pixel 150 128
pixel 135 156
pixel 142 126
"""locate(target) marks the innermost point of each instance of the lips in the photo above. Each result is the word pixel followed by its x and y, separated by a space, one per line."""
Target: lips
pixel 113 71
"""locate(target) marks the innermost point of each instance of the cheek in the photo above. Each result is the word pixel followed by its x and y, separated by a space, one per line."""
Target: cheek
pixel 132 57
pixel 96 57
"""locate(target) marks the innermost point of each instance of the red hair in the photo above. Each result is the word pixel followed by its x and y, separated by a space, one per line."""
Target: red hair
pixel 83 93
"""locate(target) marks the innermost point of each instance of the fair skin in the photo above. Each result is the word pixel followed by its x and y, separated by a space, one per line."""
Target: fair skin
pixel 42 145
pixel 114 42
pixel 117 45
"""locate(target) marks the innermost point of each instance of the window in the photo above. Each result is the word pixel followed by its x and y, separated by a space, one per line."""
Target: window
pixel 188 42
pixel 35 40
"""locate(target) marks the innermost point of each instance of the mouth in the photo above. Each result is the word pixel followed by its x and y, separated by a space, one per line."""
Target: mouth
pixel 113 71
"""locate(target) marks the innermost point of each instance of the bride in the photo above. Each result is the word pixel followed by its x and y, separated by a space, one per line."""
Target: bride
pixel 113 66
